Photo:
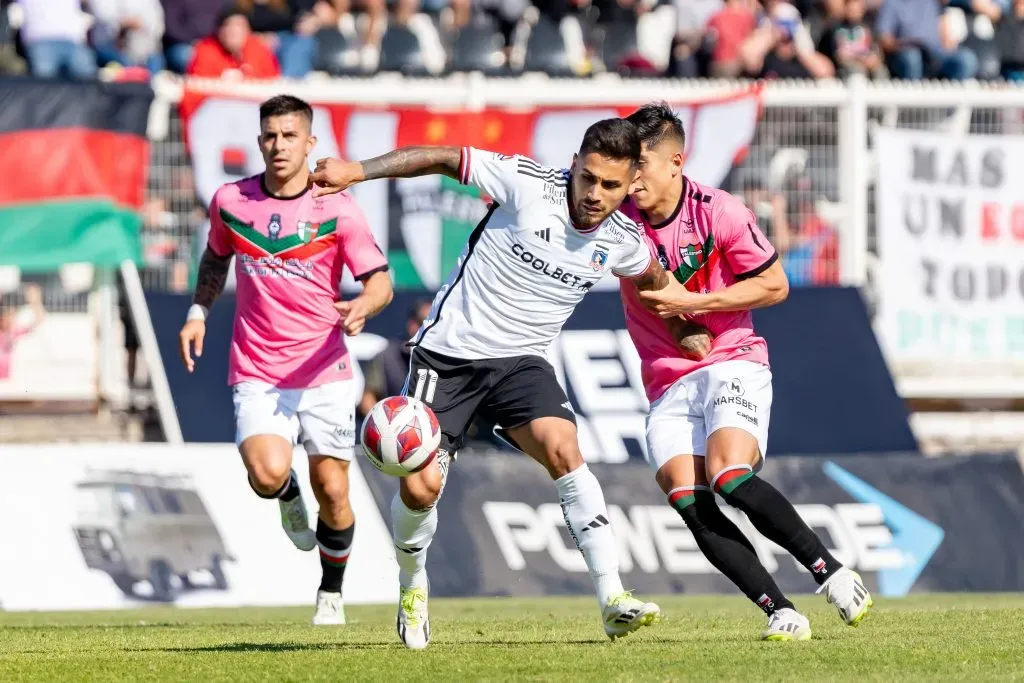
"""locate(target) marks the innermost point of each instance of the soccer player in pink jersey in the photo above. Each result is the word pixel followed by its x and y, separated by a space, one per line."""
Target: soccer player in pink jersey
pixel 290 371
pixel 707 430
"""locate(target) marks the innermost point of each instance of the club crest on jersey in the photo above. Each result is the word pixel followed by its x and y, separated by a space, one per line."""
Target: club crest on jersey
pixel 693 256
pixel 274 227
pixel 308 231
pixel 599 259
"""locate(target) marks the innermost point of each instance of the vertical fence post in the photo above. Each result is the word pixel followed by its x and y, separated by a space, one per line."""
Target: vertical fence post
pixel 856 150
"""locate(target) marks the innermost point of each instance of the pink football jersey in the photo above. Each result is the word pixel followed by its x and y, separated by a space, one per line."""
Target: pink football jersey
pixel 710 242
pixel 289 258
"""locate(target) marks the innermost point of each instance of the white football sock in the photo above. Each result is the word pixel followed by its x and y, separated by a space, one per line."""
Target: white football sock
pixel 412 532
pixel 586 515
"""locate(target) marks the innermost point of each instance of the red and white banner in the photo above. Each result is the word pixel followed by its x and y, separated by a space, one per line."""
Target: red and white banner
pixel 422 222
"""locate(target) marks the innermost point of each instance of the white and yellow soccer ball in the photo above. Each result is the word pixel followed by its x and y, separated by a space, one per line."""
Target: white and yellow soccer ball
pixel 400 436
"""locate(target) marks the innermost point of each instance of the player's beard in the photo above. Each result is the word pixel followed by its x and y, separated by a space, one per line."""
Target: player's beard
pixel 582 219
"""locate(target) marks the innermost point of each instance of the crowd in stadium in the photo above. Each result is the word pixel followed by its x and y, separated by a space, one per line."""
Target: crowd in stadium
pixel 909 39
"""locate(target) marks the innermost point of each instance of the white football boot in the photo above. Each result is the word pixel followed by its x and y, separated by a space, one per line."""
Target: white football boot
pixel 787 624
pixel 413 623
pixel 330 610
pixel 846 591
pixel 624 614
pixel 295 521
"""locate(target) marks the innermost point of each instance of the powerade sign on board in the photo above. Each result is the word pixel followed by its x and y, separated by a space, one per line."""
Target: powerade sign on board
pixel 898 521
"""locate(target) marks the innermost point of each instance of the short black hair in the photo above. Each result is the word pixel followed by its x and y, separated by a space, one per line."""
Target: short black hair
pixel 656 122
pixel 612 138
pixel 281 105
pixel 228 12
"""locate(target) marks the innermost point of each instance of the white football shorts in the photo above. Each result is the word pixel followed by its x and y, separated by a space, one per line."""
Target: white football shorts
pixel 733 393
pixel 322 419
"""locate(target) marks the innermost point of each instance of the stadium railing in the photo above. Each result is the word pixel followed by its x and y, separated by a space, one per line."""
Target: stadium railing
pixel 812 137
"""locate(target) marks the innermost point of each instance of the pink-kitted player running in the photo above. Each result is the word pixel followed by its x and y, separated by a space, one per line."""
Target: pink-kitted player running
pixel 289 369
pixel 711 392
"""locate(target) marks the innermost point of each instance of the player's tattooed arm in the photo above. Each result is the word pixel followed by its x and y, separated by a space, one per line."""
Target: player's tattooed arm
pixel 409 162
pixel 654 278
pixel 694 339
pixel 336 175
pixel 212 276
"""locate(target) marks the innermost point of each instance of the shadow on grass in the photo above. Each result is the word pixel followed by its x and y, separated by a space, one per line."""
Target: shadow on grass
pixel 303 647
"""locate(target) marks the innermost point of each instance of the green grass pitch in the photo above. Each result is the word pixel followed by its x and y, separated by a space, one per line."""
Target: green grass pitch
pixel 922 638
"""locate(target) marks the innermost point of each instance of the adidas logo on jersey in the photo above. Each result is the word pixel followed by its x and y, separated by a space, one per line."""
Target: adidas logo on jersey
pixel 544 234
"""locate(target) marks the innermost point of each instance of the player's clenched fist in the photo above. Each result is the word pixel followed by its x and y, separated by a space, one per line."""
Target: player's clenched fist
pixel 334 175
pixel 191 337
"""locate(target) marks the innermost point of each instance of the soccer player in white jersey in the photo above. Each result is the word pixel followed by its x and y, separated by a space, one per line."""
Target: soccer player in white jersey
pixel 290 373
pixel 548 237
pixel 707 430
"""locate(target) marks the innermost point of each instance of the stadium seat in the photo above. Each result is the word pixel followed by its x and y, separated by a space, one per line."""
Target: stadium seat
pixel 400 50
pixel 477 47
pixel 545 50
pixel 336 55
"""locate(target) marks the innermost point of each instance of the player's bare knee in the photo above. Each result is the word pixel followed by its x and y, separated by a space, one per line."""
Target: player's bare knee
pixel 681 471
pixel 268 475
pixel 333 492
pixel 563 457
pixel 421 490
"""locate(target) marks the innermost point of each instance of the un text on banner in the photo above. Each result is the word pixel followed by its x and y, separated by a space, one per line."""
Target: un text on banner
pixel 951 241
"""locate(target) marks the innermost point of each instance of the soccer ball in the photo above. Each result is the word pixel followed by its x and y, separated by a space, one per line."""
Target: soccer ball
pixel 400 436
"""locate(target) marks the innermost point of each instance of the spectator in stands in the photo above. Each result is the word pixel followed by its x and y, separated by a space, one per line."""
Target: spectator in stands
pixel 385 374
pixel 233 52
pixel 813 246
pixel 128 32
pixel 10 62
pixel 187 22
pixel 769 207
pixel 15 323
pixel 374 18
pixel 782 48
pixel 692 19
pixel 850 44
pixel 619 11
pixel 728 29
pixel 916 44
pixel 289 27
pixel 506 13
pixel 53 33
pixel 1009 40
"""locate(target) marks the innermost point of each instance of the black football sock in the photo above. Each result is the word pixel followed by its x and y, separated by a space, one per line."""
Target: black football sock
pixel 726 548
pixel 776 519
pixel 334 546
pixel 289 490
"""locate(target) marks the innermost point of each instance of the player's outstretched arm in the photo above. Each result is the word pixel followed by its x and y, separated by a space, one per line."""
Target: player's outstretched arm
pixel 210 281
pixel 335 175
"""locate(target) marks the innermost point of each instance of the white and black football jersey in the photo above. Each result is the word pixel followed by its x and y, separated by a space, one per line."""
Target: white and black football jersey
pixel 525 266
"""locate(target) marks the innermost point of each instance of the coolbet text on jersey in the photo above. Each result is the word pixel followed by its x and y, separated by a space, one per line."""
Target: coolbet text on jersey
pixel 710 242
pixel 289 257
pixel 525 266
